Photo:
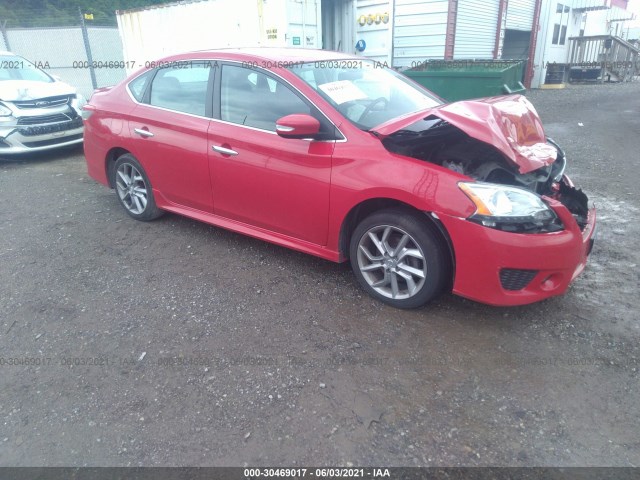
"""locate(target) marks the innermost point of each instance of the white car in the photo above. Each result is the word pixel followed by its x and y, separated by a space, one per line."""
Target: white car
pixel 37 111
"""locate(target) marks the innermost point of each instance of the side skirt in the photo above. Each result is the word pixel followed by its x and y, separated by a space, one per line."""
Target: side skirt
pixel 249 230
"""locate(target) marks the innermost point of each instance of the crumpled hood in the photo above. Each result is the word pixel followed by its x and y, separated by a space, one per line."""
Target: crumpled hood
pixel 509 123
pixel 12 90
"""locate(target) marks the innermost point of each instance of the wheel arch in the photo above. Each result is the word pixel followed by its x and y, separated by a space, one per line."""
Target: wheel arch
pixel 110 161
pixel 369 206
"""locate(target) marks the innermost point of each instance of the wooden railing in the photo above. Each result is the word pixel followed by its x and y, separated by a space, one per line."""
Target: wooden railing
pixel 613 55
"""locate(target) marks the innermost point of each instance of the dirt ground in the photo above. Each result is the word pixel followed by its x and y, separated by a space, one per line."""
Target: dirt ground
pixel 176 343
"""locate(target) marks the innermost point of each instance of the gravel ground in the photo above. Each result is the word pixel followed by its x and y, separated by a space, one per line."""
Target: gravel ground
pixel 176 343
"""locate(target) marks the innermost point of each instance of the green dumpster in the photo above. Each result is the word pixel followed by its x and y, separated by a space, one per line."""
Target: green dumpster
pixel 463 79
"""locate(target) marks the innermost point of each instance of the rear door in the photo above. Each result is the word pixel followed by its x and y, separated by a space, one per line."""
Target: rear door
pixel 170 132
pixel 258 177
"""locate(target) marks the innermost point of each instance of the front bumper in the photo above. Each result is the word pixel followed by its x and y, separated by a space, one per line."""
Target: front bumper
pixel 554 259
pixel 33 138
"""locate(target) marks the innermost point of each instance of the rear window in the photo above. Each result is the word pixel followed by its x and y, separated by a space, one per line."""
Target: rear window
pixel 138 85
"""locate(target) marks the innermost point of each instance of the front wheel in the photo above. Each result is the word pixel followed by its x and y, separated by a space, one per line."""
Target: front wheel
pixel 134 189
pixel 398 258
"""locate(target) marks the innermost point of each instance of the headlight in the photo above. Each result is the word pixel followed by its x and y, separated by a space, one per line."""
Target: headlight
pixel 4 111
pixel 510 209
pixel 78 102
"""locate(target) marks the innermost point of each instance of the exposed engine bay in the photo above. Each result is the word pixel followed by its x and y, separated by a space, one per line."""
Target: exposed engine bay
pixel 436 141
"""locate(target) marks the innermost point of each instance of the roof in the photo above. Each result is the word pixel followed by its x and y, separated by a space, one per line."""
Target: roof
pixel 159 5
pixel 268 54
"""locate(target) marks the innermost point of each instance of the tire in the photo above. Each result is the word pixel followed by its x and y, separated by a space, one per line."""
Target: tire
pixel 398 258
pixel 133 189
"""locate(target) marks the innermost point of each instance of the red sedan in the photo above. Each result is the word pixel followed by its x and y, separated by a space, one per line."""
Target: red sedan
pixel 341 158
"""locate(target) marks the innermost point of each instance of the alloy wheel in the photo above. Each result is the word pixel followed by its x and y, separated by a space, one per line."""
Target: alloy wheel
pixel 131 188
pixel 392 262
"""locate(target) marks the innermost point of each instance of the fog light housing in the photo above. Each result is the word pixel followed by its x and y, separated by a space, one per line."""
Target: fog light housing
pixel 551 282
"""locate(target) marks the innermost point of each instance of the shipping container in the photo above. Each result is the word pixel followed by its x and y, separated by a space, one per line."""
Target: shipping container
pixel 153 32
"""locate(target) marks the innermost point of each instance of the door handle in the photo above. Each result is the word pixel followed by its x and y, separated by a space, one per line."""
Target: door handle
pixel 224 151
pixel 143 133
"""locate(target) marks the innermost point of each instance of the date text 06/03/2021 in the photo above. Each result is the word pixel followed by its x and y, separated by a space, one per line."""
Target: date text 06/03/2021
pixel 251 473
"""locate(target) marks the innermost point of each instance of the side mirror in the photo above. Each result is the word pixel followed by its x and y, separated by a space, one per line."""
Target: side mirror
pixel 297 125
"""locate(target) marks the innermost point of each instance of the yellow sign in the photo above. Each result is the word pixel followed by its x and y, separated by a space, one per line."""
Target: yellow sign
pixel 373 18
pixel 88 16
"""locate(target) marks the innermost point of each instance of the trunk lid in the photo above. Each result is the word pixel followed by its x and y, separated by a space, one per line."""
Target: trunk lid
pixel 509 123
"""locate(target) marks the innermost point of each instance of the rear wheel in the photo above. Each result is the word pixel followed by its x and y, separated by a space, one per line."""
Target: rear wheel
pixel 134 189
pixel 398 258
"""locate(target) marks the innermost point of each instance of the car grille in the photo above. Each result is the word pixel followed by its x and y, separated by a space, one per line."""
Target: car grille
pixel 40 129
pixel 514 279
pixel 44 119
pixel 47 102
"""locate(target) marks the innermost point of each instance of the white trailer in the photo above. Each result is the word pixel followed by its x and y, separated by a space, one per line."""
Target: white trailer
pixel 153 32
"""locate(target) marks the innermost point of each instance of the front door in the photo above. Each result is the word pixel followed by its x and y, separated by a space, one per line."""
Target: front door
pixel 259 178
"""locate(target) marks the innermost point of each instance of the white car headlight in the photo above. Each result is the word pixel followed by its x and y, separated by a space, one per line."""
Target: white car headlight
pixel 511 209
pixel 79 102
pixel 4 111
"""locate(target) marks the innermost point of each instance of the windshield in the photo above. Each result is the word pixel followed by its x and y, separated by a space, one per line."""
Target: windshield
pixel 17 68
pixel 363 91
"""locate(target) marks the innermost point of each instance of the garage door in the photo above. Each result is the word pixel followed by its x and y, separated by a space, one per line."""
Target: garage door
pixel 476 26
pixel 520 14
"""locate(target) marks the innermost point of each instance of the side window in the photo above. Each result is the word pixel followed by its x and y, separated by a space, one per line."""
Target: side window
pixel 182 88
pixel 138 85
pixel 251 98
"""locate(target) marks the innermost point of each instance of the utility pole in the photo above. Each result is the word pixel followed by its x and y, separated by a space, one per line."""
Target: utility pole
pixel 87 48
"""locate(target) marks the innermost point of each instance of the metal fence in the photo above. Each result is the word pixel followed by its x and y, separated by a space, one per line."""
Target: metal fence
pixel 85 56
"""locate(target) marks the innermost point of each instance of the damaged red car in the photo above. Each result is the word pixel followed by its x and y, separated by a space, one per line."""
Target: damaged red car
pixel 341 158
